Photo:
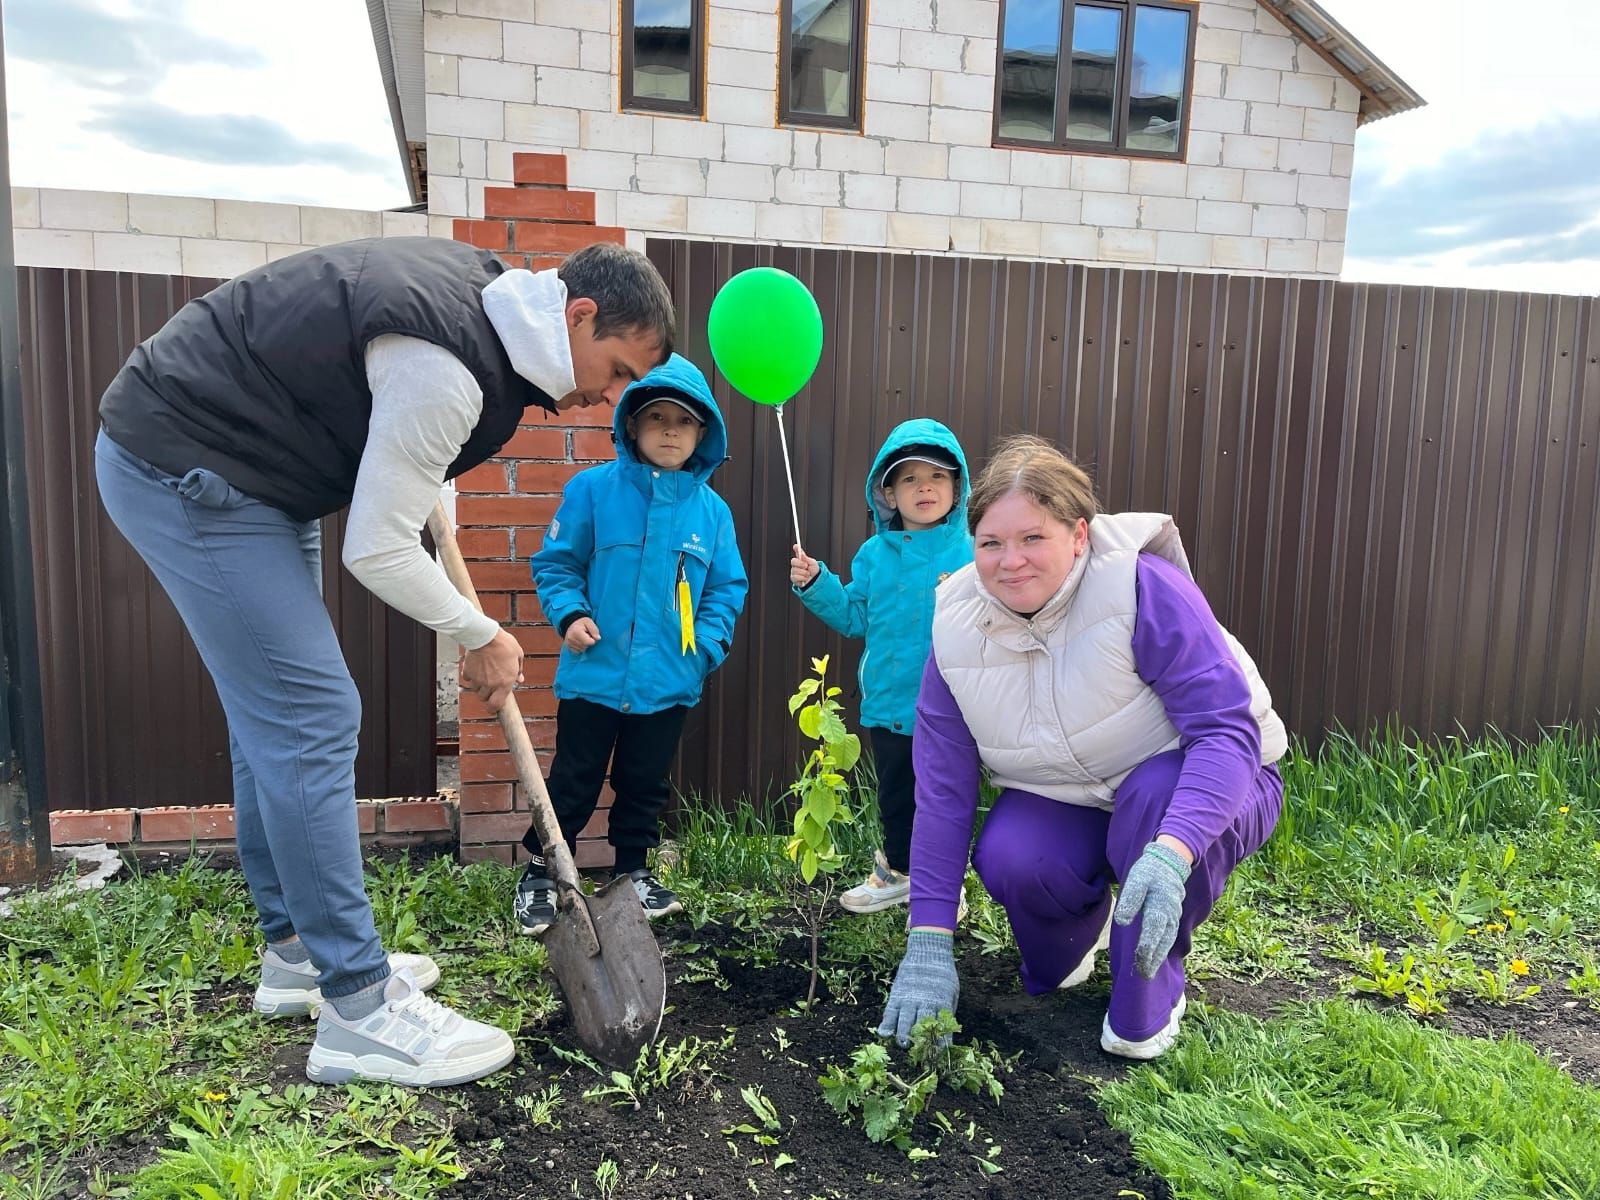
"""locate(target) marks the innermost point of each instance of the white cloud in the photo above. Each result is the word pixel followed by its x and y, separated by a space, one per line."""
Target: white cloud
pixel 1479 188
pixel 297 72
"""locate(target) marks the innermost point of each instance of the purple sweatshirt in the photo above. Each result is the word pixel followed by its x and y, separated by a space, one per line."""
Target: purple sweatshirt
pixel 1179 650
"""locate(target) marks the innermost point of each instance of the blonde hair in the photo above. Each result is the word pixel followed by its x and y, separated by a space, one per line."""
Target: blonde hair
pixel 1040 471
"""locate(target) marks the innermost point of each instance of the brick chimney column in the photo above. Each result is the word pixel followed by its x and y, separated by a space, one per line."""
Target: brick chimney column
pixel 502 510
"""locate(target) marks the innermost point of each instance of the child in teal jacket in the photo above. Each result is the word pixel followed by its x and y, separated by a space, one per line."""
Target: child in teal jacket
pixel 917 494
pixel 641 575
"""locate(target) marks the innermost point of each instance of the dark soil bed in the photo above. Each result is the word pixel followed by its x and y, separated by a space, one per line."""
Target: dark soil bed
pixel 1054 1140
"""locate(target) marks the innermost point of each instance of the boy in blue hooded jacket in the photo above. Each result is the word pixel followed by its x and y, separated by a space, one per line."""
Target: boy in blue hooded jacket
pixel 917 494
pixel 641 576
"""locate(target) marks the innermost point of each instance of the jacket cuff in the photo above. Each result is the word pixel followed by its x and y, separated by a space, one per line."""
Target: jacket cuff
pixel 576 614
pixel 804 589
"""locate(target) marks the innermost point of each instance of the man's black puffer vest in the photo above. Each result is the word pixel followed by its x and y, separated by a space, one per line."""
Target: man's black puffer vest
pixel 264 379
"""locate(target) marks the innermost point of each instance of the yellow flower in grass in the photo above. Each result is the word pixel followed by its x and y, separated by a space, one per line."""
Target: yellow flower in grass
pixel 1519 966
pixel 1494 927
pixel 1474 931
pixel 216 1097
pixel 1564 809
pixel 1508 913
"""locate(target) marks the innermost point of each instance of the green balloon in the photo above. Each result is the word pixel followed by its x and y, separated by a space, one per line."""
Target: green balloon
pixel 766 334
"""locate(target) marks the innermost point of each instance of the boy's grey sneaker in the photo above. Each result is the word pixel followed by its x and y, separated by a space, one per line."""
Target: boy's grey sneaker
pixel 534 905
pixel 410 1039
pixel 658 899
pixel 290 989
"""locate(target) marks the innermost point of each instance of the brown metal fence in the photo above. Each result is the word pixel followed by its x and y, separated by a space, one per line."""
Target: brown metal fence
pixel 131 719
pixel 1390 494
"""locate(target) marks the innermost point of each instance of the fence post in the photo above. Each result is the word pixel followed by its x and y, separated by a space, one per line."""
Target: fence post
pixel 24 820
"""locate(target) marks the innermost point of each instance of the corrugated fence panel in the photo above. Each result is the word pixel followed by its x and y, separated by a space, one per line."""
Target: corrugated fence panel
pixel 131 718
pixel 1390 494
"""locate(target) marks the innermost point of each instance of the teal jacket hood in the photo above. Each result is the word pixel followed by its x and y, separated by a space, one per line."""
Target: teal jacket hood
pixel 893 577
pixel 919 431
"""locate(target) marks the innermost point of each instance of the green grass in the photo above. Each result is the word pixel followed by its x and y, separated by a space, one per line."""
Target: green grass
pixel 1426 873
pixel 1472 855
pixel 251 1147
pixel 127 1010
pixel 1484 826
pixel 97 998
pixel 1336 1100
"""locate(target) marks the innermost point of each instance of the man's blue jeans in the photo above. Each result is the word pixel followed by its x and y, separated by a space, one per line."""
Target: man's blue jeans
pixel 246 579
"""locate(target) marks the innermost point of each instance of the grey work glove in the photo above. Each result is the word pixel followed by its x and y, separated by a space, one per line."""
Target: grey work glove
pixel 925 983
pixel 1155 886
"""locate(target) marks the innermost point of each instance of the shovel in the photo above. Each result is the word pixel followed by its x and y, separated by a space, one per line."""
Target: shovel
pixel 602 951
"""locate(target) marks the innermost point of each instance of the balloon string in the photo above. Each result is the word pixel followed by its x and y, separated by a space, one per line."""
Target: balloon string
pixel 788 471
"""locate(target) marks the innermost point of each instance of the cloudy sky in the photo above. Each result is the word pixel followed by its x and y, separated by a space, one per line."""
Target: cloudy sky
pixel 275 100
pixel 1495 184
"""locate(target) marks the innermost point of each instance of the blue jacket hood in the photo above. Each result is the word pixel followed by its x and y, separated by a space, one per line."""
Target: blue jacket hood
pixel 920 431
pixel 620 544
pixel 680 377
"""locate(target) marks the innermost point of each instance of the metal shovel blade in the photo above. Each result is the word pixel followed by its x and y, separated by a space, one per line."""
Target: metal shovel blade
pixel 616 997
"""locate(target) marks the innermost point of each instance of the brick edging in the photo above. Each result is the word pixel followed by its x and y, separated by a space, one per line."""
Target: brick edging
pixel 397 821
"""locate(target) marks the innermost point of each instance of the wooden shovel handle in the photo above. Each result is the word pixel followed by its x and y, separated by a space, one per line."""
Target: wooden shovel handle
pixel 563 870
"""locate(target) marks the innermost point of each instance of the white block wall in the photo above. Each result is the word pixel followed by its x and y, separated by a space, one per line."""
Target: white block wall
pixel 1264 188
pixel 183 235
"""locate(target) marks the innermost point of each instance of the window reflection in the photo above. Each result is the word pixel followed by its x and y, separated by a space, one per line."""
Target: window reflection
pixel 1030 56
pixel 1155 91
pixel 822 57
pixel 1119 85
pixel 1092 100
pixel 663 52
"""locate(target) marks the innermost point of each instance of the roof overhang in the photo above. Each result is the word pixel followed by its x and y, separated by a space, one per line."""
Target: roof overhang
pixel 1383 93
pixel 397 34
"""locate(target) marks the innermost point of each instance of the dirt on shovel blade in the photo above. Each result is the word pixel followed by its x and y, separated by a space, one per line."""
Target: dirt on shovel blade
pixel 616 998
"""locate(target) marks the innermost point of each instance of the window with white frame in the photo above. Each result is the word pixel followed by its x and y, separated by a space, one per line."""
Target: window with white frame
pixel 1106 75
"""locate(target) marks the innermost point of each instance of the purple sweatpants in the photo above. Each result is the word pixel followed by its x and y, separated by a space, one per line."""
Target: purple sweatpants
pixel 1051 865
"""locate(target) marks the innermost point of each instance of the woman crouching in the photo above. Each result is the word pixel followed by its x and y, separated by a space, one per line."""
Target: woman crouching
pixel 1131 737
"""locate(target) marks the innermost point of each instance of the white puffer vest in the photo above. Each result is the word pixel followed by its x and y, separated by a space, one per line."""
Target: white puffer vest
pixel 1055 702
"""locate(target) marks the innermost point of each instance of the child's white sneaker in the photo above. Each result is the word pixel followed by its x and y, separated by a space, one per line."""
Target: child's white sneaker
pixel 290 989
pixel 409 1039
pixel 884 887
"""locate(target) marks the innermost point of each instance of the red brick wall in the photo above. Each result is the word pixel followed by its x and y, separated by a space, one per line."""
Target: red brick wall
pixel 502 509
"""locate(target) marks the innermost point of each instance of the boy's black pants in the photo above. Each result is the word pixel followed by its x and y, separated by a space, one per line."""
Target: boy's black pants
pixel 640 749
pixel 897 794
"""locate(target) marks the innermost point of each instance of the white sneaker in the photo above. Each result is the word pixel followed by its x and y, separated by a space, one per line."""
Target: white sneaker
pixel 409 1039
pixel 884 887
pixel 1085 967
pixel 290 989
pixel 1153 1046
